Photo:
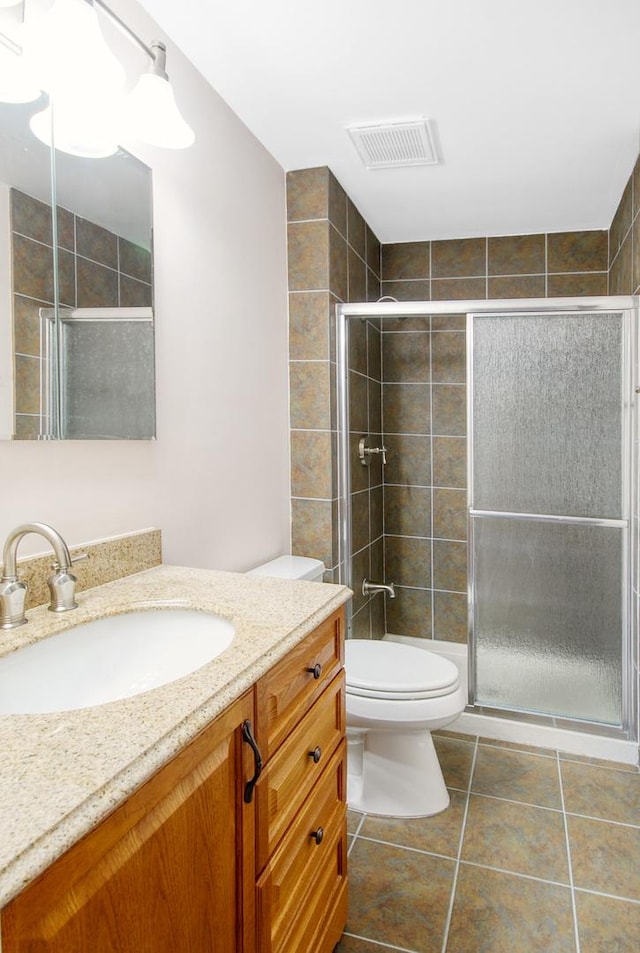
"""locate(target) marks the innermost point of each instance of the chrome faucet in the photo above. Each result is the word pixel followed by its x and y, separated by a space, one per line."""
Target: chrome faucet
pixel 370 588
pixel 62 584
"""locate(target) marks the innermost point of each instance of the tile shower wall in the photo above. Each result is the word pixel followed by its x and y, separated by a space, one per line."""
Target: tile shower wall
pixel 519 266
pixel 425 518
pixel 365 417
pixel 96 269
pixel 333 257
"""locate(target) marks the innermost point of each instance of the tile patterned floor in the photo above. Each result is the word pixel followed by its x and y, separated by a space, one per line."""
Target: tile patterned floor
pixel 539 852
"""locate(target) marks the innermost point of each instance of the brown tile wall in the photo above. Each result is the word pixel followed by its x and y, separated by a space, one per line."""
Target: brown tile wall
pixel 425 506
pixel 333 257
pixel 96 269
pixel 365 416
pixel 518 266
pixel 624 240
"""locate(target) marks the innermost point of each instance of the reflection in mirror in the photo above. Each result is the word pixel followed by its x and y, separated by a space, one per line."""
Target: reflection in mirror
pixel 97 363
pixel 101 260
pixel 25 167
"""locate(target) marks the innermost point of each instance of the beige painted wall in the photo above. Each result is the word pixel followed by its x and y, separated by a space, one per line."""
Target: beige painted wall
pixel 216 481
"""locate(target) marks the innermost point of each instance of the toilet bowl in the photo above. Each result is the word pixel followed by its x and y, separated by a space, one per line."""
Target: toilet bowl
pixel 396 696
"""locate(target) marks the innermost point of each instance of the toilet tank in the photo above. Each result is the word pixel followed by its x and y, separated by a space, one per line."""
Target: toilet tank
pixel 291 567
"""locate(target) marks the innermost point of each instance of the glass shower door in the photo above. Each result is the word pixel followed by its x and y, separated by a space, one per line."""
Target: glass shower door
pixel 549 513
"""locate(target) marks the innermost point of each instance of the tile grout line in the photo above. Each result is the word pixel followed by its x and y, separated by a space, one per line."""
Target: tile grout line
pixel 354 836
pixel 454 885
pixel 610 896
pixel 574 909
pixel 431 481
pixel 383 946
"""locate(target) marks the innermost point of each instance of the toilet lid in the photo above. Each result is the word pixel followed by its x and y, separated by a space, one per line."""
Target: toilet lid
pixel 378 669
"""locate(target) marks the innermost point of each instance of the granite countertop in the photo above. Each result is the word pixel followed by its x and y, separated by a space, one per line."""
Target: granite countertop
pixel 60 774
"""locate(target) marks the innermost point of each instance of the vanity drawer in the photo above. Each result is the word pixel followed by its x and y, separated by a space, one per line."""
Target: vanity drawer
pixel 305 882
pixel 297 766
pixel 284 694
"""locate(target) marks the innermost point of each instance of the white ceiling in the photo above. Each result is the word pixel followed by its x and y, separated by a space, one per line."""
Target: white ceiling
pixel 536 104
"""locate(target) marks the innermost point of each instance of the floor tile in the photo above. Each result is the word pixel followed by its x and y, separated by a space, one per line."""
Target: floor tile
pixel 514 775
pixel 500 913
pixel 398 896
pixel 600 792
pixel 605 857
pixel 606 925
pixel 439 834
pixel 352 944
pixel 456 759
pixel 516 837
pixel 353 819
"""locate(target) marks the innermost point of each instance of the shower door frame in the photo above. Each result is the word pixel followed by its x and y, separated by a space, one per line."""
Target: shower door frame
pixel 629 304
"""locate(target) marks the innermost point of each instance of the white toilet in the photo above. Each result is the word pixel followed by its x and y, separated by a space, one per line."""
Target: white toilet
pixel 396 696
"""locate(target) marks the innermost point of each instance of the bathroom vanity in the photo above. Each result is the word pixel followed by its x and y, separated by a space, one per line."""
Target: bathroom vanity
pixel 208 814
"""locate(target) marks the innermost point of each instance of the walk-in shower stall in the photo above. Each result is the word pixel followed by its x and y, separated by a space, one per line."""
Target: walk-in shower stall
pixel 487 470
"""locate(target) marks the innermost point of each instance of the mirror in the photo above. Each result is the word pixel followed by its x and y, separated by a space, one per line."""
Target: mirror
pixel 76 320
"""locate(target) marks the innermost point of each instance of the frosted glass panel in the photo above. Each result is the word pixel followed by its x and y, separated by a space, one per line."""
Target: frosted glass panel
pixel 107 380
pixel 548 618
pixel 547 417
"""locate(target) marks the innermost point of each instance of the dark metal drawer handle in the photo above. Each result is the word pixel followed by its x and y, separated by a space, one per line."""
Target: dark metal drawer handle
pixel 316 670
pixel 316 754
pixel 317 835
pixel 247 736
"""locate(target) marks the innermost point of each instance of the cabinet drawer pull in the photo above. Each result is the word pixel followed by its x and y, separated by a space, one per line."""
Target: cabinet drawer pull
pixel 257 760
pixel 317 835
pixel 316 754
pixel 315 670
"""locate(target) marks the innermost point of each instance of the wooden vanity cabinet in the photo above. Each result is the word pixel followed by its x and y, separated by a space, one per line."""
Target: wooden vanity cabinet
pixel 301 846
pixel 170 870
pixel 187 865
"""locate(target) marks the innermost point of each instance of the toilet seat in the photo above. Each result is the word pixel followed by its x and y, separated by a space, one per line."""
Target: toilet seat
pixel 393 671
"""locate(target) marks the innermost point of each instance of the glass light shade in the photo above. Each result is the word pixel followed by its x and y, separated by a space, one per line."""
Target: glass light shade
pixel 151 115
pixel 79 131
pixel 65 49
pixel 17 84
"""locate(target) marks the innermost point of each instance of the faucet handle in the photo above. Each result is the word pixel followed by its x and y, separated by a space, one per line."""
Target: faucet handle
pixel 13 594
pixel 62 589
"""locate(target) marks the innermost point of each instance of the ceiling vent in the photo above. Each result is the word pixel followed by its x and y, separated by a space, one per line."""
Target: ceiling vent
pixel 392 145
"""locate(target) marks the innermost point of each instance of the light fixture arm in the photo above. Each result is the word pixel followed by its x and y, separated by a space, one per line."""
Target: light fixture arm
pixel 10 45
pixel 124 28
pixel 157 51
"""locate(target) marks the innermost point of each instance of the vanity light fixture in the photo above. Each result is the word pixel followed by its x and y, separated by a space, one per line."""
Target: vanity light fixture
pixel 88 111
pixel 151 110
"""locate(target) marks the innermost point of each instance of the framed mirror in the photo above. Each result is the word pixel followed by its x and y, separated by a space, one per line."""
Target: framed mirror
pixel 76 290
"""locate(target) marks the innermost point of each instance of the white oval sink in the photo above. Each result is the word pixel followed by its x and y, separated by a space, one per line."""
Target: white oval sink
pixel 108 659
